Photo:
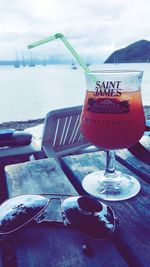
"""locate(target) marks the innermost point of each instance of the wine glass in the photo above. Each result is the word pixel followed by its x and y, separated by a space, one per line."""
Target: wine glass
pixel 112 118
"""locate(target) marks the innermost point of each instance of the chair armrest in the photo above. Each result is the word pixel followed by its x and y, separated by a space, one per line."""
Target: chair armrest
pixel 147 128
pixel 139 150
pixel 17 138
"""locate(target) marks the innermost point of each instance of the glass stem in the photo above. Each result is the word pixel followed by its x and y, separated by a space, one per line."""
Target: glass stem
pixel 110 164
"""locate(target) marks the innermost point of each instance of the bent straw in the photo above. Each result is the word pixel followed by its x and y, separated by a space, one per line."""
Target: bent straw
pixel 67 44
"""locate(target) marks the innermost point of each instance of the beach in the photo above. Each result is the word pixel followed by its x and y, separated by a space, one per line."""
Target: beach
pixel 22 125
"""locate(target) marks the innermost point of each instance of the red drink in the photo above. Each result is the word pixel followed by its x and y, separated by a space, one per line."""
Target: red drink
pixel 112 118
pixel 113 122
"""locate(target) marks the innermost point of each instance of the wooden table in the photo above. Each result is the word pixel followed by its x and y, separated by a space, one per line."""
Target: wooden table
pixel 41 244
pixel 133 236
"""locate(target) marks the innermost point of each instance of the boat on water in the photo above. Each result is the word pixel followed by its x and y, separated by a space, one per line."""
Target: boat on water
pixel 44 62
pixel 88 62
pixel 73 66
pixel 17 64
pixel 31 63
pixel 23 61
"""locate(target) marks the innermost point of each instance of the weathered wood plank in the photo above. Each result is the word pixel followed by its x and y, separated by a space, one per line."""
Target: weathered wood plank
pixel 42 245
pixel 133 214
pixel 137 166
pixel 137 158
pixel 7 253
pixel 1 265
pixel 63 251
pixel 41 176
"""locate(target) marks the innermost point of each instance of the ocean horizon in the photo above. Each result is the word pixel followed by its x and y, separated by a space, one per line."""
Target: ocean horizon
pixel 29 93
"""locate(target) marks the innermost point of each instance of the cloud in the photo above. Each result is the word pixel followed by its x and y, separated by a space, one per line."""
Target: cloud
pixel 94 28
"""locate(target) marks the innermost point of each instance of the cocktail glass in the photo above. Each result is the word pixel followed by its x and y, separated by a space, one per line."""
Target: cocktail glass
pixel 112 118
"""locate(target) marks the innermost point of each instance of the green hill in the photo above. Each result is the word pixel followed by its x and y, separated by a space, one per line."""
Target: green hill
pixel 136 52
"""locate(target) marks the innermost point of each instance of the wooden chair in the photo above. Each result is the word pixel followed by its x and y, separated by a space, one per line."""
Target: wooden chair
pixel 61 133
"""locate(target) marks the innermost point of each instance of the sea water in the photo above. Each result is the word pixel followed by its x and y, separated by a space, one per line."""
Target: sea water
pixel 31 92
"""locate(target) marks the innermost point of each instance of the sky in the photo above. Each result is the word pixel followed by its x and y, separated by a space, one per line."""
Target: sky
pixel 95 28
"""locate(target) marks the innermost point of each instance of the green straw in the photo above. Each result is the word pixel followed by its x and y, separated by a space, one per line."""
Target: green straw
pixel 67 44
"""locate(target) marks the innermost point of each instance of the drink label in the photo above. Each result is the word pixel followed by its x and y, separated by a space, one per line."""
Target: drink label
pixel 108 106
pixel 108 88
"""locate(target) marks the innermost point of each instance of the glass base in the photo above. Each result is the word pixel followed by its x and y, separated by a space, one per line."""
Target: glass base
pixel 120 187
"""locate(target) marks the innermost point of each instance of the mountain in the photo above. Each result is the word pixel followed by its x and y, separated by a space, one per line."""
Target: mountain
pixel 136 52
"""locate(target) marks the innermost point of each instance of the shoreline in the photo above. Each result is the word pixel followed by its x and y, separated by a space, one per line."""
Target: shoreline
pixel 22 125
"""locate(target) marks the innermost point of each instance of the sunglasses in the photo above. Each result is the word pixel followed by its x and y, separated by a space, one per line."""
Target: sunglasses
pixel 84 213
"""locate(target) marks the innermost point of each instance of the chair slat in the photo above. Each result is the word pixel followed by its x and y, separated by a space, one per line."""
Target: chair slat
pixel 56 132
pixel 74 130
pixel 62 133
pixel 70 130
pixel 67 130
